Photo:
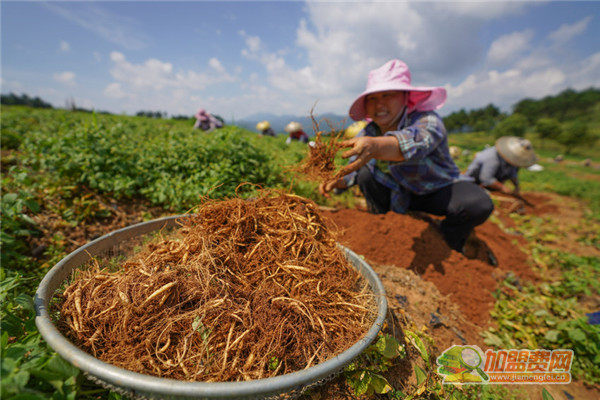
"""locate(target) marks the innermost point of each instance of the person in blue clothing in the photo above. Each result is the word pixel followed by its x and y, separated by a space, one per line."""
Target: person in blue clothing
pixel 401 160
pixel 497 164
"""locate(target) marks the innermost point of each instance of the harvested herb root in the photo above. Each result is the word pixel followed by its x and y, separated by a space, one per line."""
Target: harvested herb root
pixel 243 289
pixel 319 165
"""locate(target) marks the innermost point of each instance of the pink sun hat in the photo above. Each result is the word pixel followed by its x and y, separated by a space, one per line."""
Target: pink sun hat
pixel 395 75
pixel 202 115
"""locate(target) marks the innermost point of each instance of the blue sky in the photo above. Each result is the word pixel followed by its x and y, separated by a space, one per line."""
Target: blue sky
pixel 286 57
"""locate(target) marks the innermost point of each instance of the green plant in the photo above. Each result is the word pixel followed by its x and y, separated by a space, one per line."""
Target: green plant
pixel 364 375
pixel 546 317
pixel 513 125
pixel 17 226
pixel 29 368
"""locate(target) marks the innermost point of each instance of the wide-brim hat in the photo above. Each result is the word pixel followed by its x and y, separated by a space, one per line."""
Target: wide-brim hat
pixel 202 115
pixel 353 129
pixel 261 126
pixel 293 127
pixel 395 75
pixel 516 151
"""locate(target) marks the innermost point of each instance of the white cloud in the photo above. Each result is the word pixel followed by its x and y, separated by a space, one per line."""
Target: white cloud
pixel 503 89
pixel 156 85
pixel 509 47
pixel 215 64
pixel 157 75
pixel 486 10
pixel 340 48
pixel 567 32
pixel 114 91
pixel 254 43
pixel 584 72
pixel 66 78
pixel 64 46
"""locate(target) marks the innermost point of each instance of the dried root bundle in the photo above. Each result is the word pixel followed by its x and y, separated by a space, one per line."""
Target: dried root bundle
pixel 319 165
pixel 245 289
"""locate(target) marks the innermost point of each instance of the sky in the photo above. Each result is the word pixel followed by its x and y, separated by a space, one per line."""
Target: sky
pixel 240 58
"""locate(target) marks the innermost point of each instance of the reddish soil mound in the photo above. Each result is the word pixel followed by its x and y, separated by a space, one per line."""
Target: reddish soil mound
pixel 413 242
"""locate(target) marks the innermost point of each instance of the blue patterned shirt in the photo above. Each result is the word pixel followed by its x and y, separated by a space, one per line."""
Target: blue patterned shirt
pixel 427 164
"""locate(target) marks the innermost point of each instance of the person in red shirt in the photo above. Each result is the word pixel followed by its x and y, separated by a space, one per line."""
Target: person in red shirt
pixel 296 133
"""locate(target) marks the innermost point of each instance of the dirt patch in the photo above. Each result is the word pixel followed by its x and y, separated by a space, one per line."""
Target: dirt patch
pixel 449 294
pixel 413 242
pixel 568 227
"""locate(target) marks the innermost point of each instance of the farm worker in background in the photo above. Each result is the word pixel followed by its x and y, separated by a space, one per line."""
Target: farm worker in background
pixel 353 129
pixel 206 121
pixel 493 166
pixel 296 133
pixel 265 128
pixel 455 152
pixel 401 161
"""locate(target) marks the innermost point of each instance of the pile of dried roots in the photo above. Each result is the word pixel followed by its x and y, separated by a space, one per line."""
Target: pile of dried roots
pixel 243 289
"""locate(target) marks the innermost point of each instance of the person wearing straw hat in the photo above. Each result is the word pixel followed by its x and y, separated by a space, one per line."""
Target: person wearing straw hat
pixel 296 133
pixel 401 160
pixel 353 129
pixel 493 166
pixel 206 121
pixel 265 128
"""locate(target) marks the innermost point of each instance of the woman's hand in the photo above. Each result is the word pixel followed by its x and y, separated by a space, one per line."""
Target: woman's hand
pixel 367 147
pixel 364 148
pixel 326 187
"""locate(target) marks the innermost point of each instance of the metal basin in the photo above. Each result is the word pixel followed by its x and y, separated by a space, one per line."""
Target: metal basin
pixel 140 386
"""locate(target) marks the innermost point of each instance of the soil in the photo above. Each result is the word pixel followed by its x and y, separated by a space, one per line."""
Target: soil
pixel 448 293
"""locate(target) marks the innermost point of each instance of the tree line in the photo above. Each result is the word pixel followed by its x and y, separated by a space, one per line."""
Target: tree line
pixel 562 118
pixel 23 100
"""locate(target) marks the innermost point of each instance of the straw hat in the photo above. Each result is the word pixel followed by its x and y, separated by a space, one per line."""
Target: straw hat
pixel 353 129
pixel 293 127
pixel 516 151
pixel 454 152
pixel 395 75
pixel 261 126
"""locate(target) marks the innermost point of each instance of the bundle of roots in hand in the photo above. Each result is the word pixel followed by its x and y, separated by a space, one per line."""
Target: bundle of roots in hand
pixel 319 165
pixel 243 289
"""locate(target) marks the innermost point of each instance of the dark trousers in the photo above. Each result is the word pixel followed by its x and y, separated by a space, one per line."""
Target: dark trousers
pixel 464 204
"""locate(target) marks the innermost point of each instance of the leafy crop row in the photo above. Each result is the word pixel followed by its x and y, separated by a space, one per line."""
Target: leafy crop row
pixel 69 167
pixel 171 166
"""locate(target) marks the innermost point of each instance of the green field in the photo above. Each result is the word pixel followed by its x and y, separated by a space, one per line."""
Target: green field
pixel 71 168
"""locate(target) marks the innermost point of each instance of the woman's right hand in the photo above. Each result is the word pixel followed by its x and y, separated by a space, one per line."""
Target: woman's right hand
pixel 326 187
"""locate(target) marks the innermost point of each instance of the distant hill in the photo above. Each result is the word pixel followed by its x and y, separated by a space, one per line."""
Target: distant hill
pixel 278 122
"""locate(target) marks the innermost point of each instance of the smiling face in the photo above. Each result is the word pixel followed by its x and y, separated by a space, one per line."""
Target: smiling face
pixel 385 108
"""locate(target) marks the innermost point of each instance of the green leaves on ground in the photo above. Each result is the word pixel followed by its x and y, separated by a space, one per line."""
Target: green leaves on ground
pixel 550 316
pixel 364 375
